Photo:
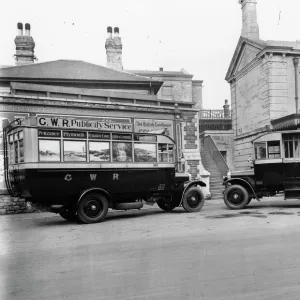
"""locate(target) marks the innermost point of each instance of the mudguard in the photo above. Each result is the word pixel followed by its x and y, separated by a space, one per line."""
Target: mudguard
pixel 95 189
pixel 243 183
pixel 189 184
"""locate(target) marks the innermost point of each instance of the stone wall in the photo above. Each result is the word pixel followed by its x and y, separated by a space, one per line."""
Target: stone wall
pixel 13 205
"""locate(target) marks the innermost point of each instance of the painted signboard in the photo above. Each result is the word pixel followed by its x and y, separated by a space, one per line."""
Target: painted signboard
pixel 149 125
pixel 101 124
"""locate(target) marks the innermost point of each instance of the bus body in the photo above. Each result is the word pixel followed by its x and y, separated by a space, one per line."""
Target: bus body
pixel 276 169
pixel 81 167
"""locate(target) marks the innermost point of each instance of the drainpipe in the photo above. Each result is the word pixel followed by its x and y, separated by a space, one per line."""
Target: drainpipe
pixel 296 63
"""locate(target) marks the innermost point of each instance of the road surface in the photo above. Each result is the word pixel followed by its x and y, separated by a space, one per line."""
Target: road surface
pixel 149 254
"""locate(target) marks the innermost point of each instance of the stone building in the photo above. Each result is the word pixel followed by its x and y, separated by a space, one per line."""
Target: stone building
pixel 80 89
pixel 263 78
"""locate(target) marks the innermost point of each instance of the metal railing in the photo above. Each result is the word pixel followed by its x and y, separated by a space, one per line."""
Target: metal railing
pixel 210 146
pixel 215 114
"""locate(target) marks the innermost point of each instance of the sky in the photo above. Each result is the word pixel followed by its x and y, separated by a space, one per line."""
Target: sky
pixel 199 36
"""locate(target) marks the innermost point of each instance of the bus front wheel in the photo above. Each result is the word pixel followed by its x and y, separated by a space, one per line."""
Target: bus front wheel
pixel 236 197
pixel 193 199
pixel 92 208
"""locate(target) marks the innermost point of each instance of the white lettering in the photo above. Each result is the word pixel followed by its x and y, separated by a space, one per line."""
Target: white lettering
pixel 93 177
pixel 115 176
pixel 68 177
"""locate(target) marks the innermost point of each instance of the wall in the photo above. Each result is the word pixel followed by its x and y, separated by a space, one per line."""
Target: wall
pixel 252 101
pixel 224 142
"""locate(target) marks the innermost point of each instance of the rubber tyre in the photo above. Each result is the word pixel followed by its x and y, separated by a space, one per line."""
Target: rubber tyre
pixel 236 197
pixel 68 214
pixel 165 206
pixel 92 208
pixel 193 199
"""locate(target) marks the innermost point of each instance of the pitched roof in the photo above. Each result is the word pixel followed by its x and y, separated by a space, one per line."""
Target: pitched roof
pixel 70 70
pixel 151 73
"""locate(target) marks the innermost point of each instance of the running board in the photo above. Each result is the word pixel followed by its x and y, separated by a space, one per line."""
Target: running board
pixel 131 205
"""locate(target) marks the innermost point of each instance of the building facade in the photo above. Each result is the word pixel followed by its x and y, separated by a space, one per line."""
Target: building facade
pixel 263 78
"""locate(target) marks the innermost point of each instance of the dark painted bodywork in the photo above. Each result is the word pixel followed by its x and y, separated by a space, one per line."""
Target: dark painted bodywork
pixel 50 187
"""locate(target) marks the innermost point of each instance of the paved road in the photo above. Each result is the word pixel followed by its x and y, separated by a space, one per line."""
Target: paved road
pixel 149 254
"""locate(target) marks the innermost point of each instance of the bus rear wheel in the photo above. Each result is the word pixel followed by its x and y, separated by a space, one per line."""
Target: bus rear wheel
pixel 68 214
pixel 165 205
pixel 193 199
pixel 236 197
pixel 92 208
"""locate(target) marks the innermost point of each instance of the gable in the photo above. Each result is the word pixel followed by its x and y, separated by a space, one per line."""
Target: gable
pixel 245 51
pixel 248 54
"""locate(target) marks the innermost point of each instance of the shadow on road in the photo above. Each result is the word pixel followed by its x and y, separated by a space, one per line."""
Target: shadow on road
pixel 56 220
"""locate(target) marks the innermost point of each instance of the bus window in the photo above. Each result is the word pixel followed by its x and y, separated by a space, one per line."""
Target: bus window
pixel 49 150
pixel 122 151
pixel 260 150
pixel 74 150
pixel 291 143
pixel 274 149
pixel 16 147
pixel 144 152
pixel 99 151
pixel 166 152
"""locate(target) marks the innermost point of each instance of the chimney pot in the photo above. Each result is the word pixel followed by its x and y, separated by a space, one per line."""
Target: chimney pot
pixel 20 28
pixel 161 69
pixel 116 32
pixel 109 32
pixel 27 29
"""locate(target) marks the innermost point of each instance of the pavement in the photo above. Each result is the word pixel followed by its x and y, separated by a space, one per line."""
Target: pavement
pixel 216 254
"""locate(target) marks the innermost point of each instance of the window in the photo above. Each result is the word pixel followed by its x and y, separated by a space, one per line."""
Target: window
pixel 144 152
pixel 291 145
pixel 274 149
pixel 165 153
pixel 99 151
pixel 49 150
pixel 74 151
pixel 167 92
pixel 16 147
pixel 260 150
pixel 122 151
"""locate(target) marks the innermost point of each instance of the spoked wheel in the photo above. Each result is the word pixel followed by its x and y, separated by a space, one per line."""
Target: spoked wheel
pixel 236 197
pixel 193 199
pixel 165 205
pixel 68 214
pixel 92 208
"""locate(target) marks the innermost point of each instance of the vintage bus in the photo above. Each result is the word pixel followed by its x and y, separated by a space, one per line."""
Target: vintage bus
pixel 81 167
pixel 276 169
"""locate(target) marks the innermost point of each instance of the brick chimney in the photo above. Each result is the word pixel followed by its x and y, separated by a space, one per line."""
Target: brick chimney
pixel 250 26
pixel 113 46
pixel 24 46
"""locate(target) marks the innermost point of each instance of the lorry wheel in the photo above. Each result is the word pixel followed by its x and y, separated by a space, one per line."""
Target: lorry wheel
pixel 236 197
pixel 165 206
pixel 92 208
pixel 193 199
pixel 68 214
